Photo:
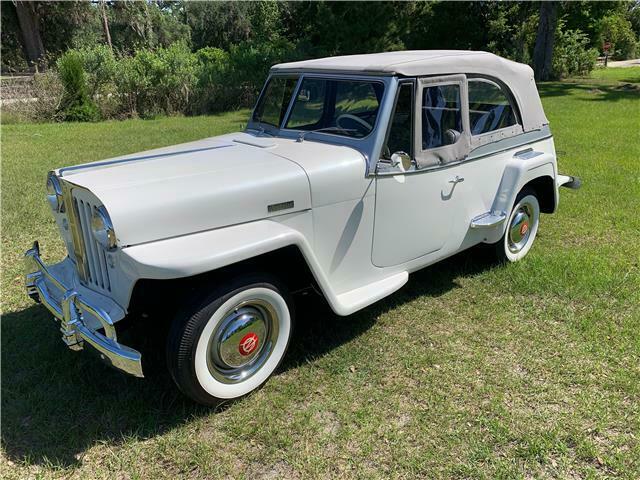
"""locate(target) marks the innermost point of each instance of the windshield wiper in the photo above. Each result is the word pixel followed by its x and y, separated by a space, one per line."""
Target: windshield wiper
pixel 324 129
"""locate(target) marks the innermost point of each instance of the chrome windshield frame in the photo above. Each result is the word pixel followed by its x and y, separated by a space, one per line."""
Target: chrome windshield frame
pixel 370 146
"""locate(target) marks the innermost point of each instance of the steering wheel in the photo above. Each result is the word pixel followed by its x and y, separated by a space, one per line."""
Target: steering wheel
pixel 355 118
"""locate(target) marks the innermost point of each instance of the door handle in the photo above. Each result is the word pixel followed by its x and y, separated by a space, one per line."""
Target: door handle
pixel 457 180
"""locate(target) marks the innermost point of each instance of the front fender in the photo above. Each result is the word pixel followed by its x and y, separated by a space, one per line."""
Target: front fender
pixel 202 252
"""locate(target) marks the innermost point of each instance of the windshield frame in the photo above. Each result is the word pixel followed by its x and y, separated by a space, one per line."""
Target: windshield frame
pixel 369 146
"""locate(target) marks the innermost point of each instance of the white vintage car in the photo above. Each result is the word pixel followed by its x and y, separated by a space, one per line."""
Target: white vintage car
pixel 353 172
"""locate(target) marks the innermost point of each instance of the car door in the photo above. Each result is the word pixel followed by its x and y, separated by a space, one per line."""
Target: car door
pixel 417 207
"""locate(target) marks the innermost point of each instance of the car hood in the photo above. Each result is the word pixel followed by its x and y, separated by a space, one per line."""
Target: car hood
pixel 194 187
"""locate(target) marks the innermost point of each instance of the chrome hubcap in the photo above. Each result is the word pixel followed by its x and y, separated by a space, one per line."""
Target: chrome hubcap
pixel 520 228
pixel 243 341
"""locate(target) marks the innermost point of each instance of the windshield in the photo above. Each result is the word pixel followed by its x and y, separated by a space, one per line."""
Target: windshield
pixel 341 107
pixel 273 103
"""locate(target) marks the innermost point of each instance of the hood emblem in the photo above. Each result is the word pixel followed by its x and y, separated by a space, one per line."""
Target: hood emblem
pixel 276 207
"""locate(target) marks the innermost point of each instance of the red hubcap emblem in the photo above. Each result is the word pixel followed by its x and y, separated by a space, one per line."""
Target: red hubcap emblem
pixel 248 344
pixel 524 228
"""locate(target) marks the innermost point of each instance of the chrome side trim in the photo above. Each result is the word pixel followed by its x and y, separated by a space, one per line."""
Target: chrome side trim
pixel 484 151
pixel 107 163
pixel 70 312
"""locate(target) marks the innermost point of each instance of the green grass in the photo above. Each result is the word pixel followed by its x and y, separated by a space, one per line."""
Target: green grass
pixel 529 370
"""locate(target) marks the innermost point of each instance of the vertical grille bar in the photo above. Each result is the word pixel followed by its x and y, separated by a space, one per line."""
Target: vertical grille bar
pixel 103 269
pixel 85 222
pixel 93 257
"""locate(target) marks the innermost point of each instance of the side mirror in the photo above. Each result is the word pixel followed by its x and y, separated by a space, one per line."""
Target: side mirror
pixel 401 160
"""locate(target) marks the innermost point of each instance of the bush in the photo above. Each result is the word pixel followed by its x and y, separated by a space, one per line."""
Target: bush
pixel 229 80
pixel 84 112
pixel 617 30
pixel 157 81
pixel 48 89
pixel 76 103
pixel 572 55
pixel 100 67
pixel 212 91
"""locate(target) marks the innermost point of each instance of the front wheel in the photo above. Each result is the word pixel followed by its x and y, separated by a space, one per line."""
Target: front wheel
pixel 522 227
pixel 232 341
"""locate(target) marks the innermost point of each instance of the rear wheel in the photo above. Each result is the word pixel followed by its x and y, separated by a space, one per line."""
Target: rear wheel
pixel 522 227
pixel 232 341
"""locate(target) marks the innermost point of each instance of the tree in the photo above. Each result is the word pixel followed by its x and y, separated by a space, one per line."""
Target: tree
pixel 105 23
pixel 29 22
pixel 545 38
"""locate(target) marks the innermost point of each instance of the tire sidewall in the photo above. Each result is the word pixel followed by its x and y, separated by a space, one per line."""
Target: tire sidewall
pixel 530 198
pixel 188 343
pixel 226 391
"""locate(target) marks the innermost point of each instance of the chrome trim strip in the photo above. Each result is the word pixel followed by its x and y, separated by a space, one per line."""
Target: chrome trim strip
pixel 509 143
pixel 146 157
pixel 498 147
pixel 69 311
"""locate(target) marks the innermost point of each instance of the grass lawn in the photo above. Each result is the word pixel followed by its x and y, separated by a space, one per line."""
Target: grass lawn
pixel 471 370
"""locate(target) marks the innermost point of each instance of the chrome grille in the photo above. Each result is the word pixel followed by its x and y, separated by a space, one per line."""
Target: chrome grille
pixel 92 263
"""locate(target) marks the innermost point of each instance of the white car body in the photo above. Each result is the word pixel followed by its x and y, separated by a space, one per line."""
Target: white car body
pixel 359 226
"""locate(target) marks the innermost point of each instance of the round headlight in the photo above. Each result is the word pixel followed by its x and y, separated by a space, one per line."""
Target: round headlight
pixel 102 228
pixel 54 193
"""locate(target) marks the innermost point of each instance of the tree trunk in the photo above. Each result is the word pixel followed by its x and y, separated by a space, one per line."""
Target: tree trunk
pixel 105 23
pixel 545 38
pixel 30 28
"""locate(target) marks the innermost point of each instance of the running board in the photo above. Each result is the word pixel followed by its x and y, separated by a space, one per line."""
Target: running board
pixel 489 220
pixel 353 300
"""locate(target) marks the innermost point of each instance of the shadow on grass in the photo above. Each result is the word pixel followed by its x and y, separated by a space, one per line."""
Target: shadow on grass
pixel 597 91
pixel 56 403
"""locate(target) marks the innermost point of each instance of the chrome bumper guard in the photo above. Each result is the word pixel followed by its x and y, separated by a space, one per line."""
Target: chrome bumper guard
pixel 70 310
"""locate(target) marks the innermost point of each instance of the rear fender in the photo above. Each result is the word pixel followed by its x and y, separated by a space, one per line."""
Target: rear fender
pixel 519 171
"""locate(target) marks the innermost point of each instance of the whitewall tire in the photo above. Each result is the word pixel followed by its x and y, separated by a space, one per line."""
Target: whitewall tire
pixel 232 342
pixel 521 228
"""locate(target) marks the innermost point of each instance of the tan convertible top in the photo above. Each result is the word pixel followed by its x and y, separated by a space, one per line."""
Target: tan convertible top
pixel 418 63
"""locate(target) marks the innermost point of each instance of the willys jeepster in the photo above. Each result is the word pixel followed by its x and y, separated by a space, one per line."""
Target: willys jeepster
pixel 352 173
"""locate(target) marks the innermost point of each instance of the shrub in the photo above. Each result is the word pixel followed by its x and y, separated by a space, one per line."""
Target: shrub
pixel 100 66
pixel 157 81
pixel 617 30
pixel 228 80
pixel 84 112
pixel 76 103
pixel 48 89
pixel 572 55
pixel 212 89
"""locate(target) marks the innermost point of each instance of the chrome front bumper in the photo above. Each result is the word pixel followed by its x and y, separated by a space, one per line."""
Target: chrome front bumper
pixel 71 309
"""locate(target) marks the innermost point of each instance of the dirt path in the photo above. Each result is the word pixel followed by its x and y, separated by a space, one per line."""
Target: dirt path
pixel 625 63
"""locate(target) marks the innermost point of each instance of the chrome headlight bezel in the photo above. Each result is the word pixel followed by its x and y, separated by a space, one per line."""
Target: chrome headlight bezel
pixel 54 193
pixel 102 228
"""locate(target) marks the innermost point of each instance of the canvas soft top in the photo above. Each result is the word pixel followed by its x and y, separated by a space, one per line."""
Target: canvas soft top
pixel 418 63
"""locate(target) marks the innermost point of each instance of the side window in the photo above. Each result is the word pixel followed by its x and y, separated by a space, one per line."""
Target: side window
pixel 273 103
pixel 489 107
pixel 401 129
pixel 441 115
